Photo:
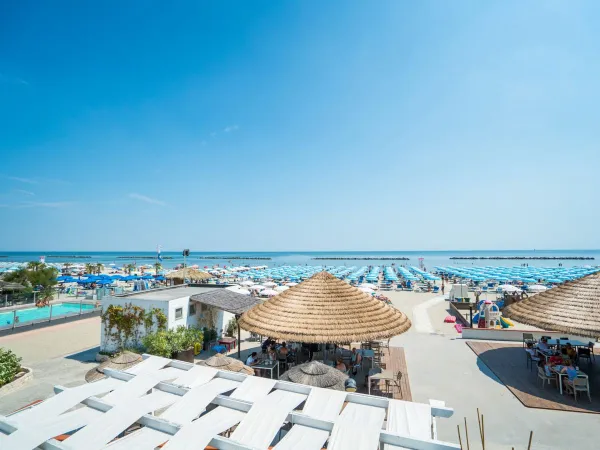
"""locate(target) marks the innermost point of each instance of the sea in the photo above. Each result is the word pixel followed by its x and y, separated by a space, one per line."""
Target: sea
pixel 428 259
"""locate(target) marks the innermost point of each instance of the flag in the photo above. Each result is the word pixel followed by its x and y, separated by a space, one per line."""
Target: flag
pixel 158 254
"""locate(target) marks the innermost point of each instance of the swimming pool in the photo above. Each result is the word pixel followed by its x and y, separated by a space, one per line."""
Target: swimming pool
pixel 30 314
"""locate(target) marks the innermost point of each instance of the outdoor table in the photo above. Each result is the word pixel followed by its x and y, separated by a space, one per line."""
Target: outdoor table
pixel 229 342
pixel 268 365
pixel 386 375
pixel 565 342
pixel 580 374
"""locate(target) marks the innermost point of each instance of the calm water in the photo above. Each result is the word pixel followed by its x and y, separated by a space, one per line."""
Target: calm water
pixel 27 315
pixel 430 258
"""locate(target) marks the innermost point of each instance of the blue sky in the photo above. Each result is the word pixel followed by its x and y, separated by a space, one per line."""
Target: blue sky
pixel 423 125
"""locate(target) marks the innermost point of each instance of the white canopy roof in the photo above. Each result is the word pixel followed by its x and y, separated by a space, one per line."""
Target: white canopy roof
pixel 195 411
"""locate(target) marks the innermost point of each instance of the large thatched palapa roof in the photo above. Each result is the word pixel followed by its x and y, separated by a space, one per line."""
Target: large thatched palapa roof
pixel 572 308
pixel 317 374
pixel 189 274
pixel 324 309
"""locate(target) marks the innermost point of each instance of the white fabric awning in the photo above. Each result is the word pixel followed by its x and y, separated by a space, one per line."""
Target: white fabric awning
pixel 184 405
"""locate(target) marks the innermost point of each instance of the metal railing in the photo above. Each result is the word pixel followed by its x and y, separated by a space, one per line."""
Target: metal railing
pixel 14 321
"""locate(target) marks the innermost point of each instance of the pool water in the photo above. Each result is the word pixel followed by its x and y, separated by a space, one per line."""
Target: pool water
pixel 27 315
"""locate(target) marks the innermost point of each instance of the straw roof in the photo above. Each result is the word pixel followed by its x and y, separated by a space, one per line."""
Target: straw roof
pixel 222 362
pixel 8 286
pixel 325 309
pixel 573 308
pixel 316 374
pixel 189 274
pixel 123 361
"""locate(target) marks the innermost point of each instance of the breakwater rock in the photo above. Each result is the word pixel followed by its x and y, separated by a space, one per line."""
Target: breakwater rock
pixel 550 258
pixel 259 258
pixel 142 257
pixel 363 258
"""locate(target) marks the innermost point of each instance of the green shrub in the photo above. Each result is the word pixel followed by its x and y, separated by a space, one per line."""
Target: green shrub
pixel 167 343
pixel 10 366
pixel 210 334
pixel 231 328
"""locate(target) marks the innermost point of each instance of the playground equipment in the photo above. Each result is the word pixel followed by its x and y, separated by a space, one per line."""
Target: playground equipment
pixel 489 316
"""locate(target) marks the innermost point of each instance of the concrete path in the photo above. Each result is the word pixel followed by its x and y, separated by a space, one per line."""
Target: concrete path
pixel 60 354
pixel 441 366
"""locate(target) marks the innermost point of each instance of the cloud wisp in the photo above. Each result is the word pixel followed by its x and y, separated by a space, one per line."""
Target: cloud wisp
pixel 231 128
pixel 23 192
pixel 44 204
pixel 23 180
pixel 145 199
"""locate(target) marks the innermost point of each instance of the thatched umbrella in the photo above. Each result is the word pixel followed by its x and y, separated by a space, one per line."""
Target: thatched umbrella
pixel 123 361
pixel 324 309
pixel 222 362
pixel 316 374
pixel 188 273
pixel 8 286
pixel 572 308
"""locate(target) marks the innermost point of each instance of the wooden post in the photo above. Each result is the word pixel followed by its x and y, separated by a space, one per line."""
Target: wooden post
pixel 239 342
pixel 530 438
pixel 459 438
pixel 482 433
pixel 467 434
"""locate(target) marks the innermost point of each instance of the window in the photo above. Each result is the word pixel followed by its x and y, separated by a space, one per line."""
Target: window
pixel 192 311
pixel 178 313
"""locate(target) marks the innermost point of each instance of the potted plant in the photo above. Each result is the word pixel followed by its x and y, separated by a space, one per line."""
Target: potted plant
pixel 210 335
pixel 176 344
pixel 183 343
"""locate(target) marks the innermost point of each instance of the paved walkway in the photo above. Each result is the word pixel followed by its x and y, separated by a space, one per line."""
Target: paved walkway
pixel 443 367
pixel 60 354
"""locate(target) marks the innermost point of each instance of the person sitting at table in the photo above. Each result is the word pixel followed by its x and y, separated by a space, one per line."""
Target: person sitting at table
pixel 340 365
pixel 356 360
pixel 571 352
pixel 252 360
pixel 266 344
pixel 283 351
pixel 543 345
pixel 271 354
pixel 570 371
pixel 530 349
pixel 555 359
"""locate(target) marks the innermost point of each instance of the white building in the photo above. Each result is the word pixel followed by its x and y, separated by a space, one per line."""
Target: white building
pixel 213 312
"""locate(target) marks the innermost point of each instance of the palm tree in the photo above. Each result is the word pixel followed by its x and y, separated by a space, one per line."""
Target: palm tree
pixel 157 267
pixel 129 268
pixel 35 265
pixel 99 268
pixel 90 268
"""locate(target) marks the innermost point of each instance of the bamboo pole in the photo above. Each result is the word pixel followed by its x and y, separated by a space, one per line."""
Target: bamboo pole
pixel 467 434
pixel 530 438
pixel 459 438
pixel 482 433
pixel 479 422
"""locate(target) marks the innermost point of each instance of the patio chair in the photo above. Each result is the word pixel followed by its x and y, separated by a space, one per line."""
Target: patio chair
pixel 531 360
pixel 542 375
pixel 528 338
pixel 397 383
pixel 579 384
pixel 591 348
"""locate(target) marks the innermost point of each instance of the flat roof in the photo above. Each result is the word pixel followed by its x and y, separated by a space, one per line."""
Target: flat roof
pixel 167 293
